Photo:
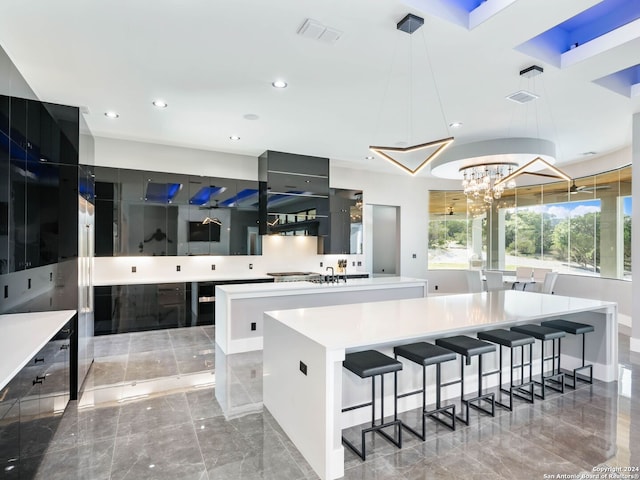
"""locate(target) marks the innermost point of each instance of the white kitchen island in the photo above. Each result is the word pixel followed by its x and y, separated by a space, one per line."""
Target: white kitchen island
pixel 240 308
pixel 308 405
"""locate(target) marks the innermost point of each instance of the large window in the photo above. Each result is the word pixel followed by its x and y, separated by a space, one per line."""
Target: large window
pixel 582 229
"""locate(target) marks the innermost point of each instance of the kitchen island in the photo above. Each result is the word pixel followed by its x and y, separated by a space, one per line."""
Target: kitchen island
pixel 240 308
pixel 305 388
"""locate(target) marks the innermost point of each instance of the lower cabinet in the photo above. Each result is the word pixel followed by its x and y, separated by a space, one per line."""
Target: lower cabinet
pixel 9 438
pixel 31 407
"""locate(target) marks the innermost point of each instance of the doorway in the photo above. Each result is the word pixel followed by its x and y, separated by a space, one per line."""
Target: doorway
pixel 385 240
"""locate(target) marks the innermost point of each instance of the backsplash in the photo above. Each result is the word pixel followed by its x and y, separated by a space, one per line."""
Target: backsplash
pixel 280 253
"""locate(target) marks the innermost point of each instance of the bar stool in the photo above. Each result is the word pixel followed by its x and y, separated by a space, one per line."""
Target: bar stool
pixel 426 354
pixel 544 334
pixel 371 363
pixel 513 340
pixel 573 328
pixel 469 347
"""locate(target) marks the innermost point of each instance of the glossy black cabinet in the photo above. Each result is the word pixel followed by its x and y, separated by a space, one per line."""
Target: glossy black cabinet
pixel 31 407
pixel 132 308
pixel 344 235
pixel 38 194
pixel 294 196
pixel 146 213
pixel 5 183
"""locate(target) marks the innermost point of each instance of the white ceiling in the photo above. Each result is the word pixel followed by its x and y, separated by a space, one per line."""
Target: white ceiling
pixel 213 62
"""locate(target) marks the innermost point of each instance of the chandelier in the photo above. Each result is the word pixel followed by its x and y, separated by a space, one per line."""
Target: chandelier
pixel 484 182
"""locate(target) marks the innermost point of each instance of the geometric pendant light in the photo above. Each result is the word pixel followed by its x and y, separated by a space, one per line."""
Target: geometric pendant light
pixel 410 24
pixel 432 150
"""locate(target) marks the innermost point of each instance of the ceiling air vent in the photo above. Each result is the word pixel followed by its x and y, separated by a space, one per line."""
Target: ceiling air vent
pixel 318 31
pixel 522 96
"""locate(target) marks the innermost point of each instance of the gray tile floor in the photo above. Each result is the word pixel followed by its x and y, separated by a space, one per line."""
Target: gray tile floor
pixel 149 412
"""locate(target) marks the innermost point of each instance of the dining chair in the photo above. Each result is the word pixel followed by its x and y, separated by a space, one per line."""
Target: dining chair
pixel 494 280
pixel 549 282
pixel 474 281
pixel 523 274
pixel 539 274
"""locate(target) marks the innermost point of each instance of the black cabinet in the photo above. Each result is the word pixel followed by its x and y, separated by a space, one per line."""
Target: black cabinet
pixel 39 190
pixel 344 235
pixel 294 196
pixel 5 184
pixel 133 308
pixel 31 407
pixel 9 438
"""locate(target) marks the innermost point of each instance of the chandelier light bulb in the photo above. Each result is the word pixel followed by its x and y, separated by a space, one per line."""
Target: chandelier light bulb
pixel 484 181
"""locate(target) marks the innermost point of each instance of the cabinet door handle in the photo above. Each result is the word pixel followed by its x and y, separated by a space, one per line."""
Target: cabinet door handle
pixel 64 346
pixel 39 379
pixel 38 360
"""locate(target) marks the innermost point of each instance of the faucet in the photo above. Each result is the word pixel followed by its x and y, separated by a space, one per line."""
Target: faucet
pixel 333 276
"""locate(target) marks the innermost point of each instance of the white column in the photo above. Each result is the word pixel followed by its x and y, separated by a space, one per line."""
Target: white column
pixel 635 235
pixel 611 229
pixel 476 237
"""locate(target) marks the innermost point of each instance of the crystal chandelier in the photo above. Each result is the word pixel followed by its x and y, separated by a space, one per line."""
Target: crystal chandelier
pixel 483 182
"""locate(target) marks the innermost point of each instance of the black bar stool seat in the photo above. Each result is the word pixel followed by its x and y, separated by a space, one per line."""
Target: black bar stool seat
pixel 371 363
pixel 513 340
pixel 468 347
pixel 544 334
pixel 574 328
pixel 426 354
pixel 506 338
pixel 539 332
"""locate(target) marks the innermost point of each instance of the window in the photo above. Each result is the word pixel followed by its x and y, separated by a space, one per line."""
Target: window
pixel 584 230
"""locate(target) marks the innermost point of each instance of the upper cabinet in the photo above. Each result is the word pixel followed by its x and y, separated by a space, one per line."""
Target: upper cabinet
pixel 294 196
pixel 38 160
pixel 345 223
pixel 295 199
pixel 153 213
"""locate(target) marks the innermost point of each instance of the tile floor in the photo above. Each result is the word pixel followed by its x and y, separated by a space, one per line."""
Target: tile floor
pixel 149 412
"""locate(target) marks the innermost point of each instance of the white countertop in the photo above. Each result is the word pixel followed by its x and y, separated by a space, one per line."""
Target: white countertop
pixel 287 288
pixel 364 324
pixel 22 335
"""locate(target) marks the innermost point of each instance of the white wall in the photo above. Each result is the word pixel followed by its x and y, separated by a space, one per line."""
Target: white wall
pixel 118 153
pixel 409 193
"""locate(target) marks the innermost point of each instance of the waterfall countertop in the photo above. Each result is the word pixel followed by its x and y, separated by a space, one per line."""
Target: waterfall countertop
pixel 22 335
pixel 378 323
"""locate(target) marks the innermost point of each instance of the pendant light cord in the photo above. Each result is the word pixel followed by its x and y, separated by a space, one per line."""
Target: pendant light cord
pixel 435 84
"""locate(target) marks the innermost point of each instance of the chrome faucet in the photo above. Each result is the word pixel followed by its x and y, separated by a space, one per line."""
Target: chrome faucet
pixel 333 276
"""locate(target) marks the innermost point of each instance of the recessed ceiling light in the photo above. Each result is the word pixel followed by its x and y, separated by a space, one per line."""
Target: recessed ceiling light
pixel 369 157
pixel 279 84
pixel 235 138
pixel 251 116
pixel 111 114
pixel 455 124
pixel 160 104
pixel 586 154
